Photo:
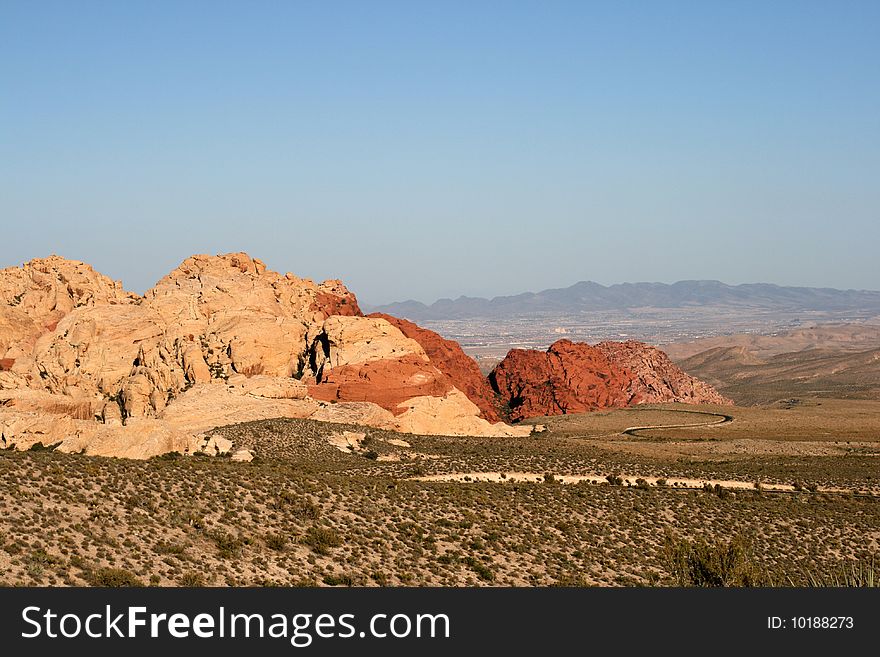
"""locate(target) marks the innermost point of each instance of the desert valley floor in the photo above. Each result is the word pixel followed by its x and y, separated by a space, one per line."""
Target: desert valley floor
pixel 595 499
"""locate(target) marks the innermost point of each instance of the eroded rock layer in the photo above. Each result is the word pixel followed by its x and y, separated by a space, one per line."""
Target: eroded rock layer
pixel 449 358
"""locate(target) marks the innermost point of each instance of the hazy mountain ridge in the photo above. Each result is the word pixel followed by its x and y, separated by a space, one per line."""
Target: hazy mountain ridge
pixel 590 296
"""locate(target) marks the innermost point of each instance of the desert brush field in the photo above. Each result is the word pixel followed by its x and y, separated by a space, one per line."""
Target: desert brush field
pixel 781 495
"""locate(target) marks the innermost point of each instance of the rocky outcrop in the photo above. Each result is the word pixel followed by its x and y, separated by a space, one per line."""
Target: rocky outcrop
pixel 656 378
pixel 342 341
pixel 370 360
pixel 211 318
pixel 448 357
pixel 576 377
pixel 37 295
pixel 451 415
pixel 568 378
pixel 219 340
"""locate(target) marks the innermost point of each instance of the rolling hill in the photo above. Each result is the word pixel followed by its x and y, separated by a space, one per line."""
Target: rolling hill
pixel 826 362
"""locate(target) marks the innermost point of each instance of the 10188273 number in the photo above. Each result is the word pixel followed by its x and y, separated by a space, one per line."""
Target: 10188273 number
pixel 810 623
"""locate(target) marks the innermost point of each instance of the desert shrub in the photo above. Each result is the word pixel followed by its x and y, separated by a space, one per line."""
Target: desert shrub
pixel 322 539
pixel 35 563
pixel 191 579
pixel 167 456
pixel 569 580
pixel 342 579
pixel 721 491
pixel 718 564
pixel 112 578
pixel 228 545
pixel 861 573
pixel 165 547
pixel 483 571
pixel 299 507
pixel 614 480
pixel 275 541
pixel 40 447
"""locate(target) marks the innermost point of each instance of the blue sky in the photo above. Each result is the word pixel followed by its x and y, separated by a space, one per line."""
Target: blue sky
pixel 420 150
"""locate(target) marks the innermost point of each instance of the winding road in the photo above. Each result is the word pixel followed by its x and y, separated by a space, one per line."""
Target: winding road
pixel 719 418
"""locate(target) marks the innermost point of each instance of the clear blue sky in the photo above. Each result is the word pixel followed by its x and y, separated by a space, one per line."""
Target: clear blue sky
pixel 427 149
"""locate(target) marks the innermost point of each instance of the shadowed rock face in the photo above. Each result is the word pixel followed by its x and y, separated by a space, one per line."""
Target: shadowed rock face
pixel 576 377
pixel 449 358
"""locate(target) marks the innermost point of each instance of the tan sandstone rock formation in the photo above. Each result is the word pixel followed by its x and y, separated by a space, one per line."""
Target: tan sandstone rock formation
pixel 221 339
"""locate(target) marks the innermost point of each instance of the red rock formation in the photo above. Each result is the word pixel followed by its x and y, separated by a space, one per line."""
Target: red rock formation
pixel 568 378
pixel 384 382
pixel 448 357
pixel 656 378
pixel 576 377
pixel 336 303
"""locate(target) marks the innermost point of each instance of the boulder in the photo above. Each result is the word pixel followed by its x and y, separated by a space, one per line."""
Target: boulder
pixel 347 441
pixel 358 340
pixel 453 414
pixel 242 456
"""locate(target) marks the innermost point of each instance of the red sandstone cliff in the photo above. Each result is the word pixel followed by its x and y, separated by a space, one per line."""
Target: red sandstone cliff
pixel 448 357
pixel 568 378
pixel 576 377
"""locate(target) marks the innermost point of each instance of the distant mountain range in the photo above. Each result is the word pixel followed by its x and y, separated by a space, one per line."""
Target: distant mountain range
pixel 590 296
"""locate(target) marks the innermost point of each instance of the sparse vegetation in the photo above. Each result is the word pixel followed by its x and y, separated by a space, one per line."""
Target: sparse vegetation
pixel 305 514
pixel 113 577
pixel 322 539
pixel 713 564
